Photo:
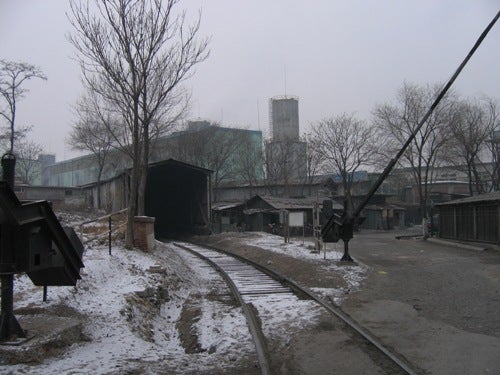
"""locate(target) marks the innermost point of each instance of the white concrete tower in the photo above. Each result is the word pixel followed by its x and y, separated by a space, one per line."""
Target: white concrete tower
pixel 284 118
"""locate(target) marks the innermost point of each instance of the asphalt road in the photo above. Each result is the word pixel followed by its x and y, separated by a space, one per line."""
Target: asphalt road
pixel 436 304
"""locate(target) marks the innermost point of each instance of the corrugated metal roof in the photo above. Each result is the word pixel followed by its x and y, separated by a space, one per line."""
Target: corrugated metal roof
pixel 494 196
pixel 294 203
pixel 178 163
pixel 251 211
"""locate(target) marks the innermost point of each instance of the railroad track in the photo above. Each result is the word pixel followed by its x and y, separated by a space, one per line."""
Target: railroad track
pixel 251 282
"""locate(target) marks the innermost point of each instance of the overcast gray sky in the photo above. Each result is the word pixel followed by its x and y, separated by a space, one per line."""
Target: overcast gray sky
pixel 337 56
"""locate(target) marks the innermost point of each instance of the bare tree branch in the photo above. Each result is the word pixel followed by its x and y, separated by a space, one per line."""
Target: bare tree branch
pixel 396 122
pixel 93 132
pixel 345 144
pixel 28 168
pixel 472 127
pixel 13 76
pixel 134 54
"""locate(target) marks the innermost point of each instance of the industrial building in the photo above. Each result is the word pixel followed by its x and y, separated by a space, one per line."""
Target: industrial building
pixel 284 118
pixel 285 152
pixel 84 170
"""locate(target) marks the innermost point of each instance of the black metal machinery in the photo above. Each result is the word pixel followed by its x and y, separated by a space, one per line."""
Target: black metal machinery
pixel 341 227
pixel 32 241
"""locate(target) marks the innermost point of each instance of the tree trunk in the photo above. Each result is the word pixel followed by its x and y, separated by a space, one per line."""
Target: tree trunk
pixel 469 175
pixel 134 183
pixel 422 191
pixel 99 174
pixel 477 178
pixel 132 205
pixel 425 230
pixel 141 194
pixel 12 122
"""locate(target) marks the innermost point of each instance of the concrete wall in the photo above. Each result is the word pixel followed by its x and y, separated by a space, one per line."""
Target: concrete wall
pixel 60 197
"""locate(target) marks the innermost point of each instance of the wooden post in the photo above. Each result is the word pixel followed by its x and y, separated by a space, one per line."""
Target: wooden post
pixel 109 237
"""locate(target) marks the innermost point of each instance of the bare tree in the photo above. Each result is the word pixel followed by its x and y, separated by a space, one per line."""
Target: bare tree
pixel 315 159
pixel 472 127
pixel 396 122
pixel 285 163
pixel 13 76
pixel 494 142
pixel 346 144
pixel 95 134
pixel 134 54
pixel 492 116
pixel 223 146
pixel 214 148
pixel 28 165
pixel 277 156
pixel 249 161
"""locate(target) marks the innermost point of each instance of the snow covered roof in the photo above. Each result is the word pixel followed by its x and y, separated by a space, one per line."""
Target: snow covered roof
pixel 384 207
pixel 220 206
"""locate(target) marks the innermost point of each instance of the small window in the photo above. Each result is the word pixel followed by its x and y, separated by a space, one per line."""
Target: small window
pixel 68 192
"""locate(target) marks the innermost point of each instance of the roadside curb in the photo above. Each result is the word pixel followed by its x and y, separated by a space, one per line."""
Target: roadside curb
pixel 457 244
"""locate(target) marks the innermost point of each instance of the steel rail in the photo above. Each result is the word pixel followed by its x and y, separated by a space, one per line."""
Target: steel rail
pixel 251 318
pixel 394 358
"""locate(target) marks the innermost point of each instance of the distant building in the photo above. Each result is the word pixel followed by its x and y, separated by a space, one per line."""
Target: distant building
pixel 33 171
pixel 46 160
pixel 83 170
pixel 285 152
pixel 284 118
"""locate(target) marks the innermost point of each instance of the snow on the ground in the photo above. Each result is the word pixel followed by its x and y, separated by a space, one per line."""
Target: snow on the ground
pixel 119 341
pixel 297 247
pixel 327 258
pixel 130 328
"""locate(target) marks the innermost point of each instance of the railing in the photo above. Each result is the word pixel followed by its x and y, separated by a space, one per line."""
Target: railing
pixel 103 227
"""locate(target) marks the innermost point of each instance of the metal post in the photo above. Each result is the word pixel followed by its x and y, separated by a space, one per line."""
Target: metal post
pixel 431 231
pixel 303 234
pixel 9 326
pixel 45 293
pixel 346 257
pixel 9 169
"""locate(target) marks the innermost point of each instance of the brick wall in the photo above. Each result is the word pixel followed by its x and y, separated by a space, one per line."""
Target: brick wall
pixel 144 232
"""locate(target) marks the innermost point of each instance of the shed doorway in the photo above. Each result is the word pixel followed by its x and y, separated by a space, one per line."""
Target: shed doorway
pixel 178 196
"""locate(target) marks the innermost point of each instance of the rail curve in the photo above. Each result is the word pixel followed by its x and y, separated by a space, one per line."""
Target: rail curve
pixel 249 280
